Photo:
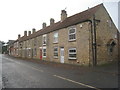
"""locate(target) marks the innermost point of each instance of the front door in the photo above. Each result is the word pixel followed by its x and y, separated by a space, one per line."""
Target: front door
pixel 62 55
pixel 40 53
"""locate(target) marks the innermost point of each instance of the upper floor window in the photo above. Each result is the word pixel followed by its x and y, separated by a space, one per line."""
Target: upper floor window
pixel 72 53
pixel 35 41
pixel 55 37
pixel 109 23
pixel 72 34
pixel 44 51
pixel 17 44
pixel 44 39
pixel 29 42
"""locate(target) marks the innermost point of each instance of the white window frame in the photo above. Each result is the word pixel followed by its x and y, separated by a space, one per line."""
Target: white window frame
pixel 16 51
pixel 55 39
pixel 29 51
pixel 71 34
pixel 35 51
pixel 72 53
pixel 17 44
pixel 45 39
pixel 44 52
pixel 110 23
pixel 55 52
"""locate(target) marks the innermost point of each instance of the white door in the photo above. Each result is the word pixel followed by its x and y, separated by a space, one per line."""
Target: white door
pixel 62 55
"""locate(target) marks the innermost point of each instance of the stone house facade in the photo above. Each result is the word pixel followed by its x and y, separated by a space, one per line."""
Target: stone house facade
pixel 87 38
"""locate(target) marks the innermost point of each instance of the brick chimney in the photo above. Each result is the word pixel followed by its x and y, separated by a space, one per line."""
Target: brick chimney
pixel 19 36
pixel 44 25
pixel 29 33
pixel 52 21
pixel 33 30
pixel 63 15
pixel 25 33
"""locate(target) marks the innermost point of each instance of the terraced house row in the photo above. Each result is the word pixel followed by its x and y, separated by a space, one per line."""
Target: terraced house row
pixel 86 38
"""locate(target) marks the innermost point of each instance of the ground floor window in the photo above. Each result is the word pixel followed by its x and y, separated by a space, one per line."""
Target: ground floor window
pixel 17 52
pixel 35 52
pixel 72 53
pixel 55 52
pixel 44 51
pixel 29 52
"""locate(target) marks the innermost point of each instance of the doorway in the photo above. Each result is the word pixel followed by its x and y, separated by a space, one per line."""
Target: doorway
pixel 62 55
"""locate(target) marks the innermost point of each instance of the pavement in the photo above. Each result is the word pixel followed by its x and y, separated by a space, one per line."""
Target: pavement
pixel 110 68
pixel 31 73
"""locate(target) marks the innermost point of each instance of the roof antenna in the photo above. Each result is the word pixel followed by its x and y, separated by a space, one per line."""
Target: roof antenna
pixel 65 8
pixel 102 1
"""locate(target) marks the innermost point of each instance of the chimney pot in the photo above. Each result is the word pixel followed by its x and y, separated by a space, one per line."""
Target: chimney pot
pixel 63 15
pixel 19 36
pixel 52 21
pixel 33 30
pixel 25 33
pixel 29 33
pixel 44 25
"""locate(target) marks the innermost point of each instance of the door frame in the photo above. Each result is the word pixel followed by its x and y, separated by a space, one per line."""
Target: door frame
pixel 61 49
pixel 40 53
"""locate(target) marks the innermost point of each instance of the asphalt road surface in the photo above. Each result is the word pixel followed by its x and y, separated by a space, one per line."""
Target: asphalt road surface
pixel 18 73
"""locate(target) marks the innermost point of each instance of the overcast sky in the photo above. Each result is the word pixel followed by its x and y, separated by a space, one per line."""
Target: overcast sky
pixel 16 16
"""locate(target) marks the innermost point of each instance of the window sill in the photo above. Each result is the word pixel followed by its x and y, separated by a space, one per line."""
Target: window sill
pixel 55 42
pixel 44 56
pixel 55 57
pixel 72 58
pixel 72 40
pixel 44 44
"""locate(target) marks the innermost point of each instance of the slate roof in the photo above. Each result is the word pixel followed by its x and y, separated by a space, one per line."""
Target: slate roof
pixel 69 21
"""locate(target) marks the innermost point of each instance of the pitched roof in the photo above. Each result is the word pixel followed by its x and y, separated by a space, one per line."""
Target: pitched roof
pixel 72 20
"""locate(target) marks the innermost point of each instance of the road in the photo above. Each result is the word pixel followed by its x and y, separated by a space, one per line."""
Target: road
pixel 18 73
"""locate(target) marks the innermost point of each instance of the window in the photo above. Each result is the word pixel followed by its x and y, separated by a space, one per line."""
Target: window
pixel 17 51
pixel 35 51
pixel 72 53
pixel 35 42
pixel 72 34
pixel 44 39
pixel 56 52
pixel 109 23
pixel 55 37
pixel 29 52
pixel 44 51
pixel 111 44
pixel 28 42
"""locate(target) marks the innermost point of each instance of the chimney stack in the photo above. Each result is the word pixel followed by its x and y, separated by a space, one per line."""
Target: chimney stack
pixel 29 32
pixel 63 15
pixel 19 36
pixel 44 25
pixel 25 33
pixel 52 21
pixel 33 30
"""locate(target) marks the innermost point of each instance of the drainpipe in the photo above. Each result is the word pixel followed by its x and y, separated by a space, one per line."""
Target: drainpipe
pixel 118 38
pixel 93 39
pixel 94 42
pixel 93 53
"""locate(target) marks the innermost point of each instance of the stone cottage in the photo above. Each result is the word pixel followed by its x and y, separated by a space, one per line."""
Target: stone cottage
pixel 86 38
